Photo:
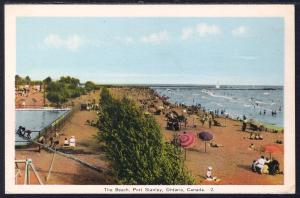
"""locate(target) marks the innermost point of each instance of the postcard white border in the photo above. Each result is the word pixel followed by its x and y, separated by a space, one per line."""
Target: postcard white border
pixel 285 11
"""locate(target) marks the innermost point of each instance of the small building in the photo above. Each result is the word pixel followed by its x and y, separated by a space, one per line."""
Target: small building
pixel 37 87
pixel 81 85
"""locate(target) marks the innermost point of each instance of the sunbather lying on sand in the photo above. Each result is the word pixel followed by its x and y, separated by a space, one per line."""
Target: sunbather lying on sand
pixel 252 146
pixel 215 145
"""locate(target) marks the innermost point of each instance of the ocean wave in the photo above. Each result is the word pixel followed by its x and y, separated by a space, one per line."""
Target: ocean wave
pixel 215 95
pixel 259 102
pixel 219 104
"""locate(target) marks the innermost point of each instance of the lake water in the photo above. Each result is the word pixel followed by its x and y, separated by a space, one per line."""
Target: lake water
pixel 36 120
pixel 235 100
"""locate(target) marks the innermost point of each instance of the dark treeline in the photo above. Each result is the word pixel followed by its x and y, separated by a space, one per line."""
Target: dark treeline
pixel 135 147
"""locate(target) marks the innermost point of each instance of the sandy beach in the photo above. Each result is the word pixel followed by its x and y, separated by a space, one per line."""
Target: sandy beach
pixel 231 162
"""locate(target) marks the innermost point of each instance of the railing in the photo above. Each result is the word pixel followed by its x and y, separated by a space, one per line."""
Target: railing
pixel 60 122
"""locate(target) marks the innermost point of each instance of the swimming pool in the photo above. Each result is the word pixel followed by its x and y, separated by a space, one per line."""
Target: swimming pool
pixel 36 120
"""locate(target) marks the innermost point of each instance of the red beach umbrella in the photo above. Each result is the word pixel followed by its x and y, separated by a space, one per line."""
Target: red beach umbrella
pixel 187 140
pixel 272 149
pixel 205 136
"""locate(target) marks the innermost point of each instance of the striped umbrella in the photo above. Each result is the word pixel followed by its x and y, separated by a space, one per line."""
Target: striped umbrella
pixel 187 140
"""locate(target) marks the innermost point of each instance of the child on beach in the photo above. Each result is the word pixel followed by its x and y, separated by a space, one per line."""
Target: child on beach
pixel 203 120
pixel 66 142
pixel 72 141
pixel 209 175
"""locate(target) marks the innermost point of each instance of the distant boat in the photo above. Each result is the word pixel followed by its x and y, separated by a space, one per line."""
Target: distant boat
pixel 217 86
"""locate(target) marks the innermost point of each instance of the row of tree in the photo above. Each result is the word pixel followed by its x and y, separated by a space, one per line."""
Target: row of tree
pixel 65 88
pixel 26 81
pixel 135 146
pixel 61 90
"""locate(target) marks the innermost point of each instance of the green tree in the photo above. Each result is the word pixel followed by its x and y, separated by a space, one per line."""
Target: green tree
pixel 18 80
pixel 89 86
pixel 47 80
pixel 27 79
pixel 56 98
pixel 135 146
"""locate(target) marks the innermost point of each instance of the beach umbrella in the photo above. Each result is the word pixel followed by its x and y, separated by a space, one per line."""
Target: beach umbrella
pixel 205 136
pixel 186 140
pixel 272 149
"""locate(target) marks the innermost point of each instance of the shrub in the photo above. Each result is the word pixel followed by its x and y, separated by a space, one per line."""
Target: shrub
pixel 135 146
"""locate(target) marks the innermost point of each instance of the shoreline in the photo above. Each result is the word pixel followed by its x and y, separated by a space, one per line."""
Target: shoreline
pixel 256 121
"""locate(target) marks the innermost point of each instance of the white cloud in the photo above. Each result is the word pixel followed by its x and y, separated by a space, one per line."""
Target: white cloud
pixel 129 40
pixel 72 42
pixel 156 38
pixel 53 40
pixel 240 31
pixel 126 40
pixel 201 29
pixel 204 30
pixel 187 33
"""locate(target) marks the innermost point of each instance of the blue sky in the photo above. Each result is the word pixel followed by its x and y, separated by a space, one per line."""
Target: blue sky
pixel 156 50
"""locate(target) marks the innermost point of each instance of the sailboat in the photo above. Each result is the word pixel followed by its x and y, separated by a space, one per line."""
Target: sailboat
pixel 217 86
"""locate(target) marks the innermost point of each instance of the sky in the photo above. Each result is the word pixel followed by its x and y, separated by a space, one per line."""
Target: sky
pixel 154 50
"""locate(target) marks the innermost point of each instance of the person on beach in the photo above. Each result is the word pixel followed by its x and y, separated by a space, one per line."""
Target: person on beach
pixel 244 125
pixel 185 122
pixel 252 146
pixel 264 112
pixel 209 175
pixel 41 140
pixel 51 141
pixel 21 130
pixel 209 122
pixel 203 120
pixel 66 142
pixel 28 132
pixel 72 141
pixel 253 166
pixel 258 137
pixel 259 164
pixel 274 167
